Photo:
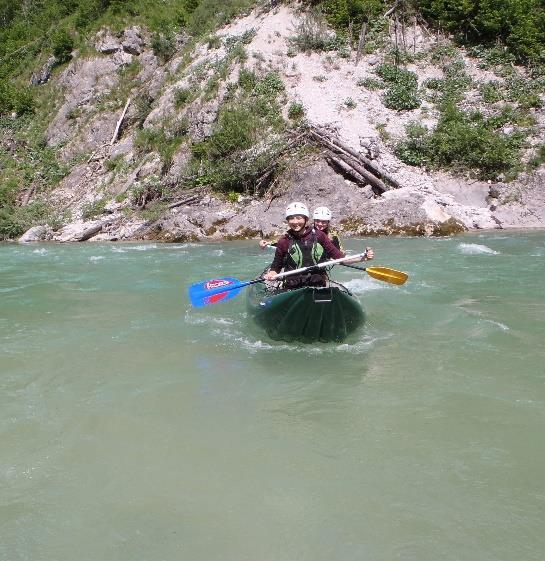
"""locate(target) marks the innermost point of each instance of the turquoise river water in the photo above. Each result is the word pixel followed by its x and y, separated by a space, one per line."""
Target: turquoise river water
pixel 133 427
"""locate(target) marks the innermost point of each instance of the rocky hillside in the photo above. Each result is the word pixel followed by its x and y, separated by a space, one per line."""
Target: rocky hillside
pixel 143 136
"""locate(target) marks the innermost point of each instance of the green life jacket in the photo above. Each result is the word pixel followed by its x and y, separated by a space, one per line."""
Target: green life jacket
pixel 303 253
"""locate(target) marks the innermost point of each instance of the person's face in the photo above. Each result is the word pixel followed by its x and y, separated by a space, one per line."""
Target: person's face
pixel 321 224
pixel 296 222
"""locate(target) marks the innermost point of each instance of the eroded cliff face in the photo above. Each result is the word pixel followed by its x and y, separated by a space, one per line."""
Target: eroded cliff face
pixel 126 119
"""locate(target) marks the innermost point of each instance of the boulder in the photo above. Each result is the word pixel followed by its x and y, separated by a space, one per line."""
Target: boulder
pixel 37 234
pixel 80 231
pixel 42 76
pixel 106 43
pixel 132 41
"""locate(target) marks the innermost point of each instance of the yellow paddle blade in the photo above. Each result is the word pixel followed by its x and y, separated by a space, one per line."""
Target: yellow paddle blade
pixel 387 275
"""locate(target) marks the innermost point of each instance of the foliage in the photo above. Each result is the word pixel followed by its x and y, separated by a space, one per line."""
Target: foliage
pixel 149 140
pixel 402 92
pixel 296 111
pixel 312 34
pixel 518 24
pixel 164 46
pixel 342 13
pixel 465 141
pixel 181 97
pixel 62 44
pixel 491 92
pixel 370 83
pixel 15 220
pixel 233 157
pixel 349 103
pixel 16 99
pixel 414 149
pixel 93 209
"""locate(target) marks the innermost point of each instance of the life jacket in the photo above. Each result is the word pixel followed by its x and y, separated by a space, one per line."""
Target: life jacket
pixel 303 253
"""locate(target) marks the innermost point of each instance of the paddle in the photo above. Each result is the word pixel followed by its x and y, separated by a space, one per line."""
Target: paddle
pixel 224 288
pixel 382 273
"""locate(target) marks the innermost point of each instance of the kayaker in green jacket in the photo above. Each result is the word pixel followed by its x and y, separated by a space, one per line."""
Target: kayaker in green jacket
pixel 302 246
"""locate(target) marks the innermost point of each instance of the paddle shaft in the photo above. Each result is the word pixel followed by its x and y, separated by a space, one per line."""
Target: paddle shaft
pixel 354 267
pixel 226 288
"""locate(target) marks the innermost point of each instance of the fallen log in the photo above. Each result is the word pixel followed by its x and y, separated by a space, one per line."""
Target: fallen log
pixel 346 170
pixel 337 145
pixel 187 201
pixel 377 184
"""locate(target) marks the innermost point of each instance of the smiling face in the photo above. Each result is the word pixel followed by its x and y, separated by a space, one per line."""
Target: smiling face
pixel 296 222
pixel 321 224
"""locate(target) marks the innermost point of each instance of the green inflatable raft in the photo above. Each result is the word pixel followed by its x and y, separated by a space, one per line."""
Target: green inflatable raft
pixel 307 314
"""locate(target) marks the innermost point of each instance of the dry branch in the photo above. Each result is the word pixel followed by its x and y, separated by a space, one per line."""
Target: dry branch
pixel 361 42
pixel 118 126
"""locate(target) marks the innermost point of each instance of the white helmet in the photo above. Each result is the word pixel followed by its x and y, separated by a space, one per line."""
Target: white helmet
pixel 322 213
pixel 297 208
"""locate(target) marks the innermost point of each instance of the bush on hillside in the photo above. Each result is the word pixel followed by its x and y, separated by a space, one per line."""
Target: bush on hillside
pixel 15 99
pixel 62 44
pixel 465 141
pixel 518 24
pixel 402 92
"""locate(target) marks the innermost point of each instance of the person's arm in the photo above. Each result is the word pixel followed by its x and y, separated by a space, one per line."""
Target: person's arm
pixel 334 253
pixel 327 244
pixel 278 261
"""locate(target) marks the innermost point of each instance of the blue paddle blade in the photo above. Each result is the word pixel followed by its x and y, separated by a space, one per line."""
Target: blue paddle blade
pixel 214 291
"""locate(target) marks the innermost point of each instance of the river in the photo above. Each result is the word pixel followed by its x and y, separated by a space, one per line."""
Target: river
pixel 134 427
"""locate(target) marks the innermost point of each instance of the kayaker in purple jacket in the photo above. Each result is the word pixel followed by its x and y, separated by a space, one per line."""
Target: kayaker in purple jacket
pixel 302 246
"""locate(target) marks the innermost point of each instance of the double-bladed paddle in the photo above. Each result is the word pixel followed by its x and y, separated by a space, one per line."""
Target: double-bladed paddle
pixel 382 274
pixel 224 288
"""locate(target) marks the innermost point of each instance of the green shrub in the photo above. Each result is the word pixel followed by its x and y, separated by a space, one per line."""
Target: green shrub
pixel 236 129
pixel 518 25
pixel 157 141
pixel 296 111
pixel 17 99
pixel 349 103
pixel 247 80
pixel 402 92
pixel 163 46
pixel 370 83
pixel 15 220
pixel 270 85
pixel 312 34
pixel 464 142
pixel 142 108
pixel 93 209
pixel 342 13
pixel 181 97
pixel 414 149
pixel 491 92
pixel 62 44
